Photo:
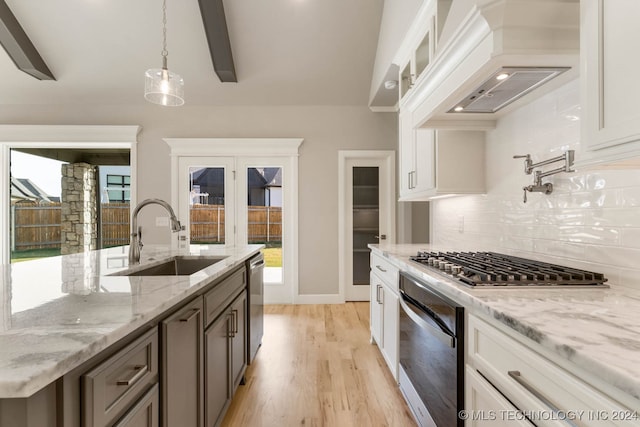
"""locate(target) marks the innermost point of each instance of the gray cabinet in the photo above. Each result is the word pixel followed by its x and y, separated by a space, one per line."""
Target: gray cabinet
pixel 144 413
pixel 225 358
pixel 182 366
pixel 115 385
pixel 217 366
pixel 238 338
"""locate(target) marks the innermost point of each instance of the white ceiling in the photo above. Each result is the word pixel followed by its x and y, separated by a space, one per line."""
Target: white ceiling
pixel 286 52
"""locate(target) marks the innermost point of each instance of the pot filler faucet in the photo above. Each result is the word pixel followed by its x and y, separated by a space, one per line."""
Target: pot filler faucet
pixel 538 186
pixel 136 232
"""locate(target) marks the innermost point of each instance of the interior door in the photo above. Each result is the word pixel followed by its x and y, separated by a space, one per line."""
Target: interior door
pixel 206 199
pixel 368 219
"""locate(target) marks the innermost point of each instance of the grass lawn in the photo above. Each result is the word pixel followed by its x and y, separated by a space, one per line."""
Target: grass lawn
pixel 272 257
pixel 30 254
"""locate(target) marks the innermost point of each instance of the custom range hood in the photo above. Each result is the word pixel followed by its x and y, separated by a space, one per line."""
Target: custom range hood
pixel 493 56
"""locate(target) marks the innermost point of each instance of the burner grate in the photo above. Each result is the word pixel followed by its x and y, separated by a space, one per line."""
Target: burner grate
pixel 495 269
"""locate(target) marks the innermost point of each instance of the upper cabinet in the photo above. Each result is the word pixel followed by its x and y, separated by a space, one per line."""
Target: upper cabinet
pixel 420 44
pixel 610 90
pixel 439 163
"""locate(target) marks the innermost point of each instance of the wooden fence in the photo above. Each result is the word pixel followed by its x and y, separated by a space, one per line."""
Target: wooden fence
pixel 207 224
pixel 38 227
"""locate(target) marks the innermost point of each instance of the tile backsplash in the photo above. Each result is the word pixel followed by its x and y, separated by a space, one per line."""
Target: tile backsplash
pixel 590 221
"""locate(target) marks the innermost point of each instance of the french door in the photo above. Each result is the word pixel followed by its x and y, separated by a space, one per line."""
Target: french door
pixel 234 201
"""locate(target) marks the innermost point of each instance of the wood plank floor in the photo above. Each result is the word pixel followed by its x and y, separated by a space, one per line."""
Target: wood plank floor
pixel 316 367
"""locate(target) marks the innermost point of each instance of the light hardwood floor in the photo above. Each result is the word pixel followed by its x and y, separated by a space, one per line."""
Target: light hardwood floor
pixel 316 367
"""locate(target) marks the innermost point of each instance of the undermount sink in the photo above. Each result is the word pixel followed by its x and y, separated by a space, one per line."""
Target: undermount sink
pixel 176 266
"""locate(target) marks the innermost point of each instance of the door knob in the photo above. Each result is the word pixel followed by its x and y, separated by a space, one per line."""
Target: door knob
pixel 381 237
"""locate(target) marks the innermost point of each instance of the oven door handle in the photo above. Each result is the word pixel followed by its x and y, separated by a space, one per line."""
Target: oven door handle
pixel 442 336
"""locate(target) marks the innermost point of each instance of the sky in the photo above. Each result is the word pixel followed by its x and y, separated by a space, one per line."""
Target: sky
pixel 43 172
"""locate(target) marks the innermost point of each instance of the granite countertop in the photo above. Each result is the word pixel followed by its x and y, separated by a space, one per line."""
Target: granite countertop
pixel 56 313
pixel 596 329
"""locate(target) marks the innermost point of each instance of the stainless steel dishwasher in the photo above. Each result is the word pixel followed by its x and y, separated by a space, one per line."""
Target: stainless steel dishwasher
pixel 255 270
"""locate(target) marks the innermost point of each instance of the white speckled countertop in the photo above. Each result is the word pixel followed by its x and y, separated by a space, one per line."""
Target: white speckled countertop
pixel 56 313
pixel 596 329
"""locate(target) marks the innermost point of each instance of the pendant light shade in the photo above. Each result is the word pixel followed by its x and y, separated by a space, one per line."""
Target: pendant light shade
pixel 161 86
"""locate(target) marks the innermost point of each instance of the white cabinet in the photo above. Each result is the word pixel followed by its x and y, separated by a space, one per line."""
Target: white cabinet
pixel 489 406
pixel 385 310
pixel 533 384
pixel 610 36
pixel 437 163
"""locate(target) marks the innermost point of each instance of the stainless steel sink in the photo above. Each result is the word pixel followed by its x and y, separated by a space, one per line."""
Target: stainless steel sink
pixel 176 266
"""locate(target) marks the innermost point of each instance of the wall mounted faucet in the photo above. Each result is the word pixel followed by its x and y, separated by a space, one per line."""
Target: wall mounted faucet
pixel 136 232
pixel 538 186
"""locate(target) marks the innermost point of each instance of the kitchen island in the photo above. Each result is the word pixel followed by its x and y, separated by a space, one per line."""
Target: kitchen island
pixel 593 335
pixel 57 314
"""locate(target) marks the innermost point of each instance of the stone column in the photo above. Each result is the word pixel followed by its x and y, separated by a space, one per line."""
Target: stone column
pixel 79 229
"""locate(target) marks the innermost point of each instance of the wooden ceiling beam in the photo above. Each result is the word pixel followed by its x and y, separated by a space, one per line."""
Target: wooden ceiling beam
pixel 215 27
pixel 18 46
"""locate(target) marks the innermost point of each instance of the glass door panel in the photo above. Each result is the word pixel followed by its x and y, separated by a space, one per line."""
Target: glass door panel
pixel 366 220
pixel 206 205
pixel 206 199
pixel 264 217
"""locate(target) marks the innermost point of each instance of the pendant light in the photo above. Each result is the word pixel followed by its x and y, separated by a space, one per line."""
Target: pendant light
pixel 161 86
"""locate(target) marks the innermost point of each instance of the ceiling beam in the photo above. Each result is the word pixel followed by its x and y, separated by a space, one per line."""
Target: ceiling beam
pixel 18 46
pixel 215 27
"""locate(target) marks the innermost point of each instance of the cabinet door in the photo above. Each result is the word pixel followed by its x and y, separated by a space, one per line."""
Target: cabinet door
pixel 486 406
pixel 182 388
pixel 238 339
pixel 375 306
pixel 216 369
pixel 425 149
pixel 406 143
pixel 610 33
pixel 390 329
pixel 144 413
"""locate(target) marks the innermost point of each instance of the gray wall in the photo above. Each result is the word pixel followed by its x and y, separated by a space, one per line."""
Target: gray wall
pixel 325 130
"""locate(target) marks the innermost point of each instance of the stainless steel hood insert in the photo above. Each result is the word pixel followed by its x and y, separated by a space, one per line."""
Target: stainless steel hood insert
pixel 505 86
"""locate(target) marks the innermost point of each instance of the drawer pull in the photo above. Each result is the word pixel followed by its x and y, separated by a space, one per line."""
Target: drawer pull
pixel 194 313
pixel 517 377
pixel 139 371
pixel 381 269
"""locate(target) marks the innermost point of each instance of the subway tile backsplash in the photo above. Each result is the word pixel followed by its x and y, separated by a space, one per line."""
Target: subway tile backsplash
pixel 590 221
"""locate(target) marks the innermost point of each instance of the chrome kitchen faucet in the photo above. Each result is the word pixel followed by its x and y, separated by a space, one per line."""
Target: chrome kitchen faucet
pixel 538 186
pixel 136 232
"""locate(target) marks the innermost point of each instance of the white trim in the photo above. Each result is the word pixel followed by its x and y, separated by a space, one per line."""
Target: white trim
pixel 377 109
pixel 58 136
pixel 255 147
pixel 388 157
pixel 222 147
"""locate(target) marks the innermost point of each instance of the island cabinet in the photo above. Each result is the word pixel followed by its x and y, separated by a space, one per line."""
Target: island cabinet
pixel 225 337
pixel 609 32
pixel 511 382
pixel 182 366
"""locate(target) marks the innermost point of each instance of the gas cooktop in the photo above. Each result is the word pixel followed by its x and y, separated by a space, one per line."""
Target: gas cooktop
pixel 484 269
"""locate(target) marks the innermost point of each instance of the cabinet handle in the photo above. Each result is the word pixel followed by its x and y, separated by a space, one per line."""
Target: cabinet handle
pixel 194 313
pixel 230 333
pixel 378 298
pixel 139 371
pixel 235 321
pixel 517 377
pixel 380 268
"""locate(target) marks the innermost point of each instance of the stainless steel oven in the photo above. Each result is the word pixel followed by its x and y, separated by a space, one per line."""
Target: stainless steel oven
pixel 431 354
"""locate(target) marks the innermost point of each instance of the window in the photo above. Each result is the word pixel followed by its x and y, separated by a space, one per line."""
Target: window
pixel 118 188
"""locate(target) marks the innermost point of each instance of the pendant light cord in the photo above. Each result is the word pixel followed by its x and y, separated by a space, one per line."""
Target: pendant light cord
pixel 164 52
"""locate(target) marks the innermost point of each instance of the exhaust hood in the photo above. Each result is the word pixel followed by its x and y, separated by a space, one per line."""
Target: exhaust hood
pixel 493 54
pixel 505 86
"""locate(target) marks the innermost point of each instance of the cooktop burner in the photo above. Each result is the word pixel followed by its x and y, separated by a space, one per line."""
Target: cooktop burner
pixel 494 269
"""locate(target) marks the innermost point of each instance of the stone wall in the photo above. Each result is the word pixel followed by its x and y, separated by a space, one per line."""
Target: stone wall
pixel 79 230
